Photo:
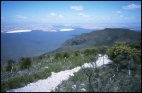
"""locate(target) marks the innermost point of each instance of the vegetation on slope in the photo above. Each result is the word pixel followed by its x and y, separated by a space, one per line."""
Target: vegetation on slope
pixel 98 38
pixel 32 69
pixel 109 78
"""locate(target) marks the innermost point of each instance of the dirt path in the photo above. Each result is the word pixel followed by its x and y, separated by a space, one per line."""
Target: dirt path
pixel 46 85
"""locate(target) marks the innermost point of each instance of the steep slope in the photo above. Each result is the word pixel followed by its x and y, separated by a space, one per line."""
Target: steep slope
pixel 107 37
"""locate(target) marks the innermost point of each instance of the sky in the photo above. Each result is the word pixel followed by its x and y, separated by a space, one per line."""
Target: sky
pixel 62 12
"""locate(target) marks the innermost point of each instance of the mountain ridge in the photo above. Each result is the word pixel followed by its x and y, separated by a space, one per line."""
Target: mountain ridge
pixel 107 37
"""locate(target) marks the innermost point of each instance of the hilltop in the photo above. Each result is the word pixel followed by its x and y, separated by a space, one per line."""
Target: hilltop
pixel 107 37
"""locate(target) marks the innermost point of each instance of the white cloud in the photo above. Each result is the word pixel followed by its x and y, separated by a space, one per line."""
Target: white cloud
pixel 77 8
pixel 52 14
pixel 18 31
pixel 132 6
pixel 21 16
pixel 66 29
pixel 119 14
pixel 84 15
pixel 56 15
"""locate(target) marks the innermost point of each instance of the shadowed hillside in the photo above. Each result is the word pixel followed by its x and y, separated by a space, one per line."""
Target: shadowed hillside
pixel 107 37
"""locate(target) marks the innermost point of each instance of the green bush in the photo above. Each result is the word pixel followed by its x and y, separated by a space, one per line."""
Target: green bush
pixel 103 81
pixel 25 63
pixel 23 80
pixel 58 56
pixel 91 51
pixel 122 54
pixel 102 49
pixel 65 55
pixel 61 55
pixel 10 65
pixel 76 53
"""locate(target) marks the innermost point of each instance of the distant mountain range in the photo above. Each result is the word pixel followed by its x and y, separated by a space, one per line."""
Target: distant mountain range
pixel 34 43
pixel 107 37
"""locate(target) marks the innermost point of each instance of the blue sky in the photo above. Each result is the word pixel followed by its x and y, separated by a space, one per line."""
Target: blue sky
pixel 61 12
